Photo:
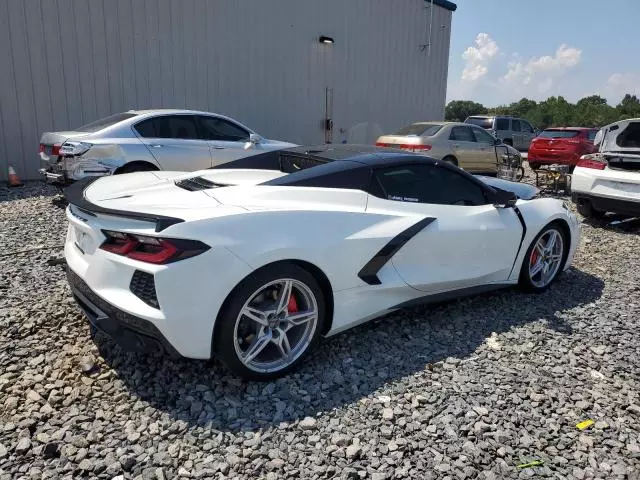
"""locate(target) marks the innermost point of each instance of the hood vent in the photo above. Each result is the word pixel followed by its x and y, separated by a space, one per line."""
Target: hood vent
pixel 198 183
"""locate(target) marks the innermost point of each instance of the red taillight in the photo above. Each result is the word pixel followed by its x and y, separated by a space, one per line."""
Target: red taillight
pixel 417 148
pixel 55 150
pixel 405 146
pixel 41 148
pixel 147 249
pixel 596 164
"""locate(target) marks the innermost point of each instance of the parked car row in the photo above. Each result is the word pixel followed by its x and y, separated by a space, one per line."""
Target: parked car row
pixel 184 140
pixel 382 205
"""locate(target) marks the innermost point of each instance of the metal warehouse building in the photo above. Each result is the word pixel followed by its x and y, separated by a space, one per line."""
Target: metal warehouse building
pixel 69 62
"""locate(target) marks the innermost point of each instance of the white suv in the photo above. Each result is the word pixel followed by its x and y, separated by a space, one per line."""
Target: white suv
pixel 609 181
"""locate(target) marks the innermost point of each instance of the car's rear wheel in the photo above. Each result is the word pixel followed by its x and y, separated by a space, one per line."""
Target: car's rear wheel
pixel 585 209
pixel 270 322
pixel 544 259
pixel 534 166
pixel 451 159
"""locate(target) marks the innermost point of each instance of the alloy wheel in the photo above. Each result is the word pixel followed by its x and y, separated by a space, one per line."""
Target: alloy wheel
pixel 276 325
pixel 546 258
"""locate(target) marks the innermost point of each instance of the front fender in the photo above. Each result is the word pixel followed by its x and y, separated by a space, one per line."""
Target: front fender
pixel 539 213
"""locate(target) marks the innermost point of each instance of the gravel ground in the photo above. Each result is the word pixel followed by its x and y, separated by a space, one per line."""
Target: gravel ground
pixel 467 389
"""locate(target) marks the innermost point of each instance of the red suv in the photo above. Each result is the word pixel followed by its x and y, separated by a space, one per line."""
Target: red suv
pixel 564 145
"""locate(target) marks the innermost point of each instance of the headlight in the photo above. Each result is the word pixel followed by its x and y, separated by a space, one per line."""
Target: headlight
pixel 74 148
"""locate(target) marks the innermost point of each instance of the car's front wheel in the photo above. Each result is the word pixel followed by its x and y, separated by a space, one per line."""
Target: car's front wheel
pixel 544 259
pixel 270 322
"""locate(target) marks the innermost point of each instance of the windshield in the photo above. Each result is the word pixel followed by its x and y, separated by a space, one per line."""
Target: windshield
pixel 419 129
pixel 559 134
pixel 484 122
pixel 105 122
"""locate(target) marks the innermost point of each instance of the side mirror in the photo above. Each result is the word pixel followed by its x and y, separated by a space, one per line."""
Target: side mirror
pixel 254 139
pixel 504 199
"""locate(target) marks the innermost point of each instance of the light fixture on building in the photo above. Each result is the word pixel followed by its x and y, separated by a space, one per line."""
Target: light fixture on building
pixel 326 40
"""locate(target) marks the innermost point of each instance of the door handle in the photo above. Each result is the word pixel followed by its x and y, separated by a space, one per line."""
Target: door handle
pixel 217 147
pixel 157 145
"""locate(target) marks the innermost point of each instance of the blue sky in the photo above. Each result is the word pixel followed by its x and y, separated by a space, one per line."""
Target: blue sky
pixel 504 50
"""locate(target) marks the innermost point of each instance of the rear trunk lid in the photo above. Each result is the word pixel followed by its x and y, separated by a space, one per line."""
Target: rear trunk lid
pixel 560 140
pixel 163 198
pixel 410 143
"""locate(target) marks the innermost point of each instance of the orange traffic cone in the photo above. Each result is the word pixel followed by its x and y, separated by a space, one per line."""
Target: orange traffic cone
pixel 14 180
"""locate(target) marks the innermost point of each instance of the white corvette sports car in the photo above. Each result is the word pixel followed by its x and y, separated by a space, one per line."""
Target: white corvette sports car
pixel 255 261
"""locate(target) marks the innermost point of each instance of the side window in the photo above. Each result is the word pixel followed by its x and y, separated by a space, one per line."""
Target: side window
pixel 591 135
pixel 483 137
pixel 429 184
pixel 462 134
pixel 502 124
pixel 169 126
pixel 219 129
pixel 515 125
pixel 526 127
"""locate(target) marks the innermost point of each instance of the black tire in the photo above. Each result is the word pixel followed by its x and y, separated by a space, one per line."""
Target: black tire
pixel 136 167
pixel 508 141
pixel 534 166
pixel 224 341
pixel 451 159
pixel 585 209
pixel 525 282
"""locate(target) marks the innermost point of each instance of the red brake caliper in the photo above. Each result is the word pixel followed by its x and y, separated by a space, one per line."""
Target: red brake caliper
pixel 534 256
pixel 292 306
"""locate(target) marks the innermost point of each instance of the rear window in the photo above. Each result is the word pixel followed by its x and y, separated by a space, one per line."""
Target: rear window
pixel 591 134
pixel 486 123
pixel 630 136
pixel 419 130
pixel 559 134
pixel 105 122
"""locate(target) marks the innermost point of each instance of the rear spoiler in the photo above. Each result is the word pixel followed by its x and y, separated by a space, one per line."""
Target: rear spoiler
pixel 75 196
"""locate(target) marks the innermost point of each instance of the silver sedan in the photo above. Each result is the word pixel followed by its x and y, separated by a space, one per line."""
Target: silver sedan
pixel 143 140
pixel 468 146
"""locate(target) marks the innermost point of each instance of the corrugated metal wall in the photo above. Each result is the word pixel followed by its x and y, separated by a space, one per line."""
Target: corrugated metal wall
pixel 69 62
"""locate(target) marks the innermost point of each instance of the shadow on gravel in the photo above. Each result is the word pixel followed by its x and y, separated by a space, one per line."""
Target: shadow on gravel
pixel 616 223
pixel 353 365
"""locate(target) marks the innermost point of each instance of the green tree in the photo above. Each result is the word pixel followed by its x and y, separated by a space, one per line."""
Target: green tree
pixel 459 110
pixel 629 107
pixel 591 111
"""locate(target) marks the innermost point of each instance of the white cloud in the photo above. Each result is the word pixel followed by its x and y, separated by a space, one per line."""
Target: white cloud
pixel 619 84
pixel 541 72
pixel 477 58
